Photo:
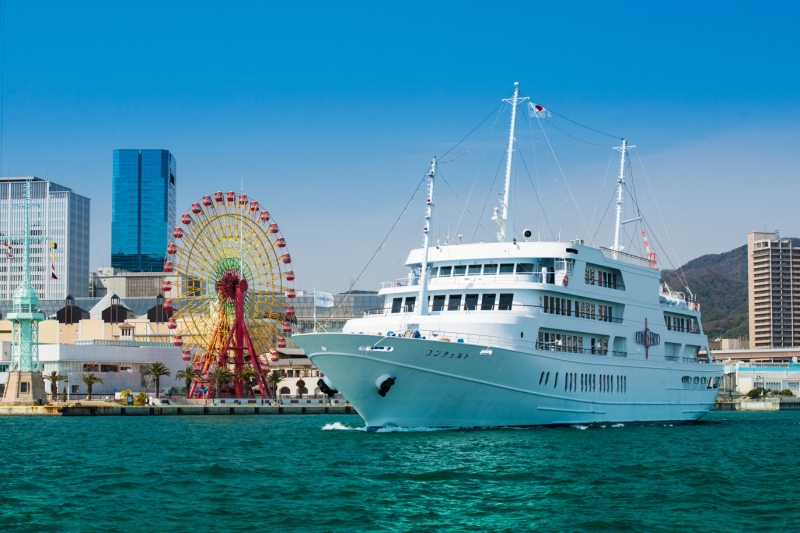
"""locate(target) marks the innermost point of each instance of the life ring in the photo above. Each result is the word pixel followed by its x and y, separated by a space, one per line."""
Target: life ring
pixel 566 280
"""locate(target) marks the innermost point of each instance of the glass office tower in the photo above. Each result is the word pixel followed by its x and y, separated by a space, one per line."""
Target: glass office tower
pixel 142 208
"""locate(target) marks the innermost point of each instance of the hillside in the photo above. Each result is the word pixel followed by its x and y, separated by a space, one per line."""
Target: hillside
pixel 719 281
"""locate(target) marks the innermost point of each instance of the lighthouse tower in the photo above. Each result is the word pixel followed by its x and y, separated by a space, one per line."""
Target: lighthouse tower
pixel 25 384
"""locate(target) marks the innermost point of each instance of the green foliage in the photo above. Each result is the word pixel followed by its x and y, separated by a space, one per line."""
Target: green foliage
pixel 140 399
pixel 157 370
pixel 784 392
pixel 54 377
pixel 187 375
pixel 124 393
pixel 90 380
pixel 757 392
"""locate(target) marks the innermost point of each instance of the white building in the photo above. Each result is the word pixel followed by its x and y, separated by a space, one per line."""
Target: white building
pixel 743 377
pixel 63 217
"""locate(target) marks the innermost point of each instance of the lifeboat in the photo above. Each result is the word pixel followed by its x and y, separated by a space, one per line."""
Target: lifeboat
pixel 171 250
pixel 177 340
pixel 230 197
pixel 167 305
pixel 264 216
pixel 253 207
pixel 290 276
pixel 289 311
pixel 280 243
pixel 286 258
pixel 242 200
pixel 273 228
pixel 281 342
pixel 177 233
pixel 196 209
pixel 171 324
pixel 207 201
pixel 287 328
pixel 166 286
pixel 186 218
pixel 167 265
pixel 218 197
pixel 290 293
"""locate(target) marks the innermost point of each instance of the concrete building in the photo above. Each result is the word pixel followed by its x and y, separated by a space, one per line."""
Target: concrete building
pixel 59 267
pixel 773 283
pixel 142 208
pixel 125 284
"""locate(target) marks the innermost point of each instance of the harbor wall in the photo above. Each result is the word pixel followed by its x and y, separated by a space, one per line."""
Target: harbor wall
pixel 175 410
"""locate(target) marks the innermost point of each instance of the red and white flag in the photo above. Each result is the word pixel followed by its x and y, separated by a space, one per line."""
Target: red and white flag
pixel 538 111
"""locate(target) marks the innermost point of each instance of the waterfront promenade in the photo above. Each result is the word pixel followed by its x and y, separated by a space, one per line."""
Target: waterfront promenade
pixel 87 408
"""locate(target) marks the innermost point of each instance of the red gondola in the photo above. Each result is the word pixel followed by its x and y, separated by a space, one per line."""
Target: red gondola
pixel 287 328
pixel 273 356
pixel 286 258
pixel 281 342
pixel 177 233
pixel 264 216
pixel 166 286
pixel 280 243
pixel 218 197
pixel 177 341
pixel 273 228
pixel 167 305
pixel 290 276
pixel 168 265
pixel 289 311
pixel 230 197
pixel 171 324
pixel 207 201
pixel 171 250
pixel 290 293
pixel 186 356
pixel 196 208
pixel 242 200
pixel 186 218
pixel 253 206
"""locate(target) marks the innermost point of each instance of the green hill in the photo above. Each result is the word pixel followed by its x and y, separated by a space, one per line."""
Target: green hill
pixel 719 281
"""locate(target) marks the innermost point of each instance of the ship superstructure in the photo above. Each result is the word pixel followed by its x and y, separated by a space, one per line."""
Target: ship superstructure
pixel 519 332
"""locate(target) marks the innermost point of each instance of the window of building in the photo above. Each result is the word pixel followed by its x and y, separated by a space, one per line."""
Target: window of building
pixel 397 304
pixel 487 304
pixel 506 301
pixel 24 386
pixel 438 302
pixel 454 304
pixel 471 302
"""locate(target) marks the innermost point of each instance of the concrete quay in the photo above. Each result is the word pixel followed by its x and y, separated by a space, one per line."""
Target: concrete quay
pixel 759 405
pixel 106 409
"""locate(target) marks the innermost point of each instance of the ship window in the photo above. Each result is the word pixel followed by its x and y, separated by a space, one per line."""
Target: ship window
pixel 624 383
pixel 489 270
pixel 455 302
pixel 444 272
pixel 410 301
pixel 566 382
pixel 471 302
pixel 703 380
pixel 508 268
pixel 686 380
pixel 474 270
pixel 438 302
pixel 487 304
pixel 547 378
pixel 525 268
pixel 459 270
pixel 541 378
pixel 505 302
pixel 397 304
pixel 555 381
pixel 696 380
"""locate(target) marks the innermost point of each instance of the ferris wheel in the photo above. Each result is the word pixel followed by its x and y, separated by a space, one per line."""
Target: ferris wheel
pixel 226 274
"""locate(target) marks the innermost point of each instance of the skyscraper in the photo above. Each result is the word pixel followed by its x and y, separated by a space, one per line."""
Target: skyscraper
pixel 59 265
pixel 142 208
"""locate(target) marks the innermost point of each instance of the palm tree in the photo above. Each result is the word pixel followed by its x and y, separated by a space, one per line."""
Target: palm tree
pixel 188 374
pixel 54 377
pixel 247 375
pixel 274 378
pixel 219 377
pixel 90 380
pixel 157 370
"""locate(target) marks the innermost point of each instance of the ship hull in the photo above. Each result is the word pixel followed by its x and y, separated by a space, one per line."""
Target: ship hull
pixel 447 384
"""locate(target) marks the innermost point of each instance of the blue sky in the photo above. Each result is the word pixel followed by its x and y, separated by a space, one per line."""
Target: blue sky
pixel 331 112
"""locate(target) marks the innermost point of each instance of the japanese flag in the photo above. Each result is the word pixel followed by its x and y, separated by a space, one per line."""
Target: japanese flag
pixel 538 111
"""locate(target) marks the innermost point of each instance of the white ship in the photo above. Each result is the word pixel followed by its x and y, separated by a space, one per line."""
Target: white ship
pixel 519 333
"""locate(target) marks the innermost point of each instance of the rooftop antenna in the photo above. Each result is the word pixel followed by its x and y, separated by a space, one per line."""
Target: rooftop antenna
pixel 501 213
pixel 620 185
pixel 423 276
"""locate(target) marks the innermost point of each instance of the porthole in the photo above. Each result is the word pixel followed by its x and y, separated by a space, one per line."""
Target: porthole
pixel 686 380
pixel 703 380
pixel 696 380
pixel 521 334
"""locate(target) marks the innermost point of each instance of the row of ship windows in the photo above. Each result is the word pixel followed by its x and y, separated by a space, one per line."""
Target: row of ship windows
pixel 604 279
pixel 486 270
pixel 471 302
pixel 561 342
pixel 564 306
pixel 606 383
pixel 700 382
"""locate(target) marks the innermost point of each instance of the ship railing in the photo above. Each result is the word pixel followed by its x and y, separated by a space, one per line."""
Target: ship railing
pixel 625 258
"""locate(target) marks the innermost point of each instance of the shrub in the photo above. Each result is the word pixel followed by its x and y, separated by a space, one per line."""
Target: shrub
pixel 124 393
pixel 140 399
pixel 755 393
pixel 785 392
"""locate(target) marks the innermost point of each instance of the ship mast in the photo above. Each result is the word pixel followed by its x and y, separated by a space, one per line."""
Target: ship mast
pixel 423 276
pixel 620 185
pixel 501 215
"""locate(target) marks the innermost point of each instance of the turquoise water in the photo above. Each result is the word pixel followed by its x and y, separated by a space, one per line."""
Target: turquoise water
pixel 734 471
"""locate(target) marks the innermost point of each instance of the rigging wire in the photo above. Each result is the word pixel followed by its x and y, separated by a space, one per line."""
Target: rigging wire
pixel 440 175
pixel 519 152
pixel 573 137
pixel 582 126
pixel 600 223
pixel 611 158
pixel 468 134
pixel 488 196
pixel 565 181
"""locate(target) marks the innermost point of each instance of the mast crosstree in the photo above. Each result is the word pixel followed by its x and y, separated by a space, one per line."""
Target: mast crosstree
pixel 501 214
